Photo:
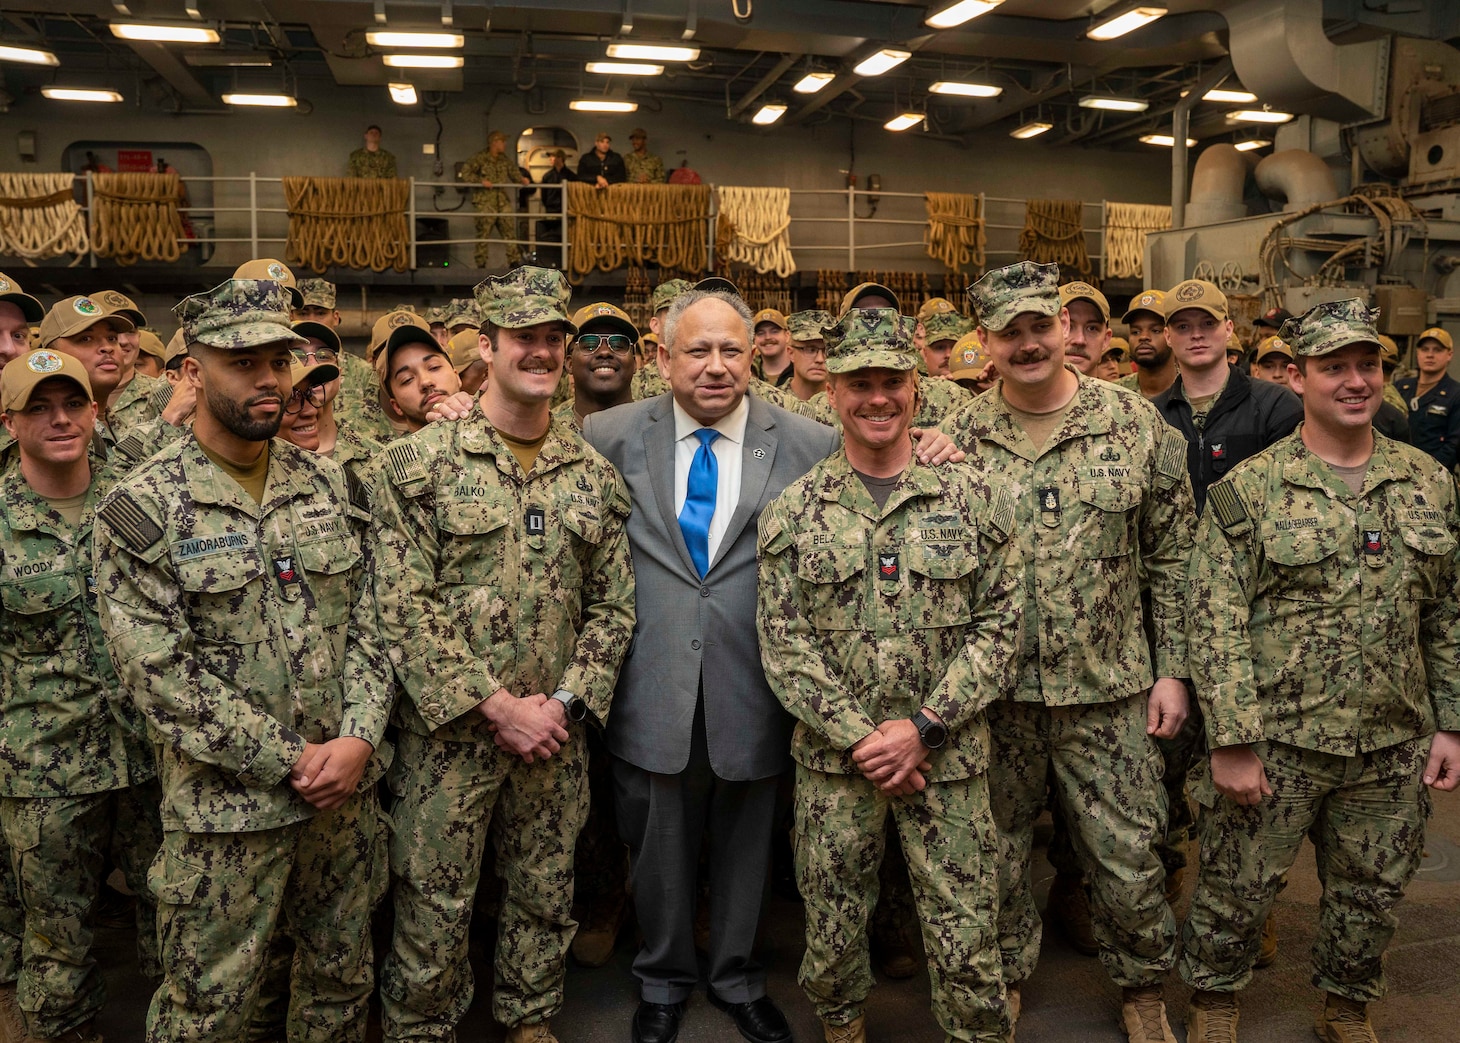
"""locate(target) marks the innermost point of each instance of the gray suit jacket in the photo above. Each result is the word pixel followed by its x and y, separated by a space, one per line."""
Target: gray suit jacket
pixel 691 631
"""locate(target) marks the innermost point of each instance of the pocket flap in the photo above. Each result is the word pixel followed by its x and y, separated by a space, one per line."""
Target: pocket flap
pixel 329 557
pixel 834 563
pixel 1303 548
pixel 942 560
pixel 37 596
pixel 1435 542
pixel 1111 496
pixel 219 573
pixel 472 517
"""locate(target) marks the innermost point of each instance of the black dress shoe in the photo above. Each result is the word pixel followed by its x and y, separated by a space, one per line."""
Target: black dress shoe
pixel 657 1022
pixel 758 1020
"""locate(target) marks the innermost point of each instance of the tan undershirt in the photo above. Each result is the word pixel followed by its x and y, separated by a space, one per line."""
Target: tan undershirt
pixel 526 452
pixel 253 478
pixel 68 507
pixel 1353 477
pixel 1039 426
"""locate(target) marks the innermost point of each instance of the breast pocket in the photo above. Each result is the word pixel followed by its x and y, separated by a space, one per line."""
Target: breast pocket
pixel 1299 567
pixel 832 580
pixel 474 535
pixel 940 590
pixel 1107 528
pixel 224 598
pixel 1425 554
pixel 329 570
pixel 585 531
pixel 34 604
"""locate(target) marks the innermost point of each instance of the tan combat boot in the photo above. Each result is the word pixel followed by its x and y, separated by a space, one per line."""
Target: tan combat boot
pixel 1175 880
pixel 1212 1017
pixel 854 1031
pixel 1069 906
pixel 1267 951
pixel 598 934
pixel 539 1032
pixel 1345 1021
pixel 1143 1015
pixel 1013 1002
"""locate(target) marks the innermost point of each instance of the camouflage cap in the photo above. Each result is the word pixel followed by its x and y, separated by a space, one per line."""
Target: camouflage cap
pixel 665 293
pixel 871 338
pixel 464 348
pixel 1273 345
pixel 24 375
pixel 69 317
pixel 770 315
pixel 969 358
pixel 435 314
pixel 11 293
pixel 606 315
pixel 1013 290
pixel 713 283
pixel 177 347
pixel 1153 301
pixel 327 335
pixel 238 313
pixel 1388 351
pixel 1435 333
pixel 317 292
pixel 1083 291
pixel 496 135
pixel 1119 347
pixel 935 306
pixel 149 343
pixel 461 310
pixel 945 325
pixel 868 289
pixel 1324 328
pixel 809 325
pixel 117 303
pixel 278 271
pixel 312 375
pixel 525 296
pixel 1196 293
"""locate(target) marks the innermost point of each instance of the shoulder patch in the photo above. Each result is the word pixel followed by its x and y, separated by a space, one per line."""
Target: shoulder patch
pixel 359 492
pixel 773 535
pixel 132 524
pixel 1001 514
pixel 131 449
pixel 1171 456
pixel 403 460
pixel 1231 512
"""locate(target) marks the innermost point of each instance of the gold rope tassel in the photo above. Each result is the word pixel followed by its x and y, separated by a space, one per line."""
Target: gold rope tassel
pixel 39 217
pixel 754 229
pixel 955 233
pixel 1126 228
pixel 1054 233
pixel 347 222
pixel 638 224
pixel 136 217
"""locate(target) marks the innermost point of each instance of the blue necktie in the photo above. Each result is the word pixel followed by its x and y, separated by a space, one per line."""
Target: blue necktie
pixel 699 500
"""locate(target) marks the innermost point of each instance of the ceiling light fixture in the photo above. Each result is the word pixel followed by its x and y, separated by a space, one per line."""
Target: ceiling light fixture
pixel 80 94
pixel 960 12
pixel 227 60
pixel 1238 97
pixel 1114 104
pixel 1258 116
pixel 403 93
pixel 960 89
pixel 602 105
pixel 813 82
pixel 435 41
pixel 768 114
pixel 1032 129
pixel 905 120
pixel 422 61
pixel 1165 139
pixel 884 60
pixel 653 52
pixel 265 101
pixel 157 33
pixel 1251 144
pixel 27 56
pixel 1127 21
pixel 624 68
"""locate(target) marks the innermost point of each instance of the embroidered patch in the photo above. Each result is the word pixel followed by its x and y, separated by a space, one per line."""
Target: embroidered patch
pixel 130 522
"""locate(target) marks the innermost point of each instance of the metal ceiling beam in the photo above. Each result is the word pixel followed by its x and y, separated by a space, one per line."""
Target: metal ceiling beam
pixel 845 81
pixel 166 65
pixel 764 84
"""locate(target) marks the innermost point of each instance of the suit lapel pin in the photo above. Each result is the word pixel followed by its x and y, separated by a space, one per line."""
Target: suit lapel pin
pixel 759 454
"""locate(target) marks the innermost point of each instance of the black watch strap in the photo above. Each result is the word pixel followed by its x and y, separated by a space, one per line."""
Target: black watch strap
pixel 931 732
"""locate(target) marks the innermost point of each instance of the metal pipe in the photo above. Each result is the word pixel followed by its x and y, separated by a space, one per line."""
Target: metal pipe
pixel 762 85
pixel 1180 126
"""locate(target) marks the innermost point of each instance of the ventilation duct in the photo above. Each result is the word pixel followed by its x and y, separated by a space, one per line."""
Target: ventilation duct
pixel 1216 186
pixel 1296 176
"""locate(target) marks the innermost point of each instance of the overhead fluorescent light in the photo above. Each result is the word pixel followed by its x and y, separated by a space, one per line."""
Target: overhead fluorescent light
pixel 27 56
pixel 154 33
pixel 904 120
pixel 80 94
pixel 422 61
pixel 960 12
pixel 1238 97
pixel 602 105
pixel 1114 104
pixel 624 68
pixel 961 89
pixel 403 93
pixel 267 101
pixel 1258 116
pixel 813 82
pixel 434 41
pixel 1126 22
pixel 884 60
pixel 227 60
pixel 1251 144
pixel 1165 139
pixel 1032 129
pixel 653 52
pixel 768 114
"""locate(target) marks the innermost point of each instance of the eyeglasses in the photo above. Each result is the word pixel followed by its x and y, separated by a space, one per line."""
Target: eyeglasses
pixel 616 342
pixel 315 395
pixel 318 354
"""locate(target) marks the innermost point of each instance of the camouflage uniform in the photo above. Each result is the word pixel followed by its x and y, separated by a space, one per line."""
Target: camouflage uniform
pixel 136 405
pixel 867 614
pixel 500 171
pixel 646 168
pixel 1326 640
pixel 242 630
pixel 490 578
pixel 354 451
pixel 1107 495
pixel 647 382
pixel 377 164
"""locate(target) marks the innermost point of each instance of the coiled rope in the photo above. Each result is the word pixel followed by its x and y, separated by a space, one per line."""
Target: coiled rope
pixel 347 222
pixel 638 224
pixel 39 217
pixel 1126 228
pixel 136 217
pixel 754 229
pixel 955 233
pixel 1054 232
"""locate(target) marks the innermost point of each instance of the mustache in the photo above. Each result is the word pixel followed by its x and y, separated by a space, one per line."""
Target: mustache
pixel 1032 355
pixel 259 400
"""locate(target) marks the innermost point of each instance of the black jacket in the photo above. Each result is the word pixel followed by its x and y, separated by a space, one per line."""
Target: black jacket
pixel 1250 416
pixel 1392 423
pixel 1435 425
pixel 610 166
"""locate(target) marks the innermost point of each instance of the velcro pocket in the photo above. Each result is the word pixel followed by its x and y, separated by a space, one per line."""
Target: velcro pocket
pixel 224 596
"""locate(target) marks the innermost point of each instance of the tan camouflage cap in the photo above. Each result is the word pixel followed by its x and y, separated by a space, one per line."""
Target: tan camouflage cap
pixel 968 358
pixel 1388 351
pixel 665 293
pixel 319 331
pixel 1435 333
pixel 1196 293
pixel 525 296
pixel 149 343
pixel 1119 347
pixel 320 293
pixel 69 317
pixel 1273 345
pixel 1324 328
pixel 278 271
pixel 1007 292
pixel 22 376
pixel 238 313
pixel 945 325
pixel 605 314
pixel 935 306
pixel 1153 301
pixel 868 289
pixel 871 338
pixel 770 315
pixel 809 324
pixel 461 310
pixel 464 348
pixel 312 375
pixel 1083 291
pixel 117 303
pixel 10 292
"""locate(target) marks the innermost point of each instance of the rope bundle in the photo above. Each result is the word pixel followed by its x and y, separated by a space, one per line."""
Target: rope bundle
pixel 638 224
pixel 1126 227
pixel 1054 232
pixel 754 228
pixel 136 217
pixel 39 217
pixel 955 232
pixel 348 222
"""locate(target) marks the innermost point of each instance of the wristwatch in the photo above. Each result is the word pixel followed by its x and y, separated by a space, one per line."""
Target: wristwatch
pixel 933 733
pixel 575 708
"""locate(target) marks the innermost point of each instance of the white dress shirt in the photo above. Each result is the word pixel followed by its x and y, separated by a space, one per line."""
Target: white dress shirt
pixel 728 450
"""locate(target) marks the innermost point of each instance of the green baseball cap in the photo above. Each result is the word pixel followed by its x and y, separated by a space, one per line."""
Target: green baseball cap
pixel 238 313
pixel 809 325
pixel 712 283
pixel 871 338
pixel 1324 328
pixel 1007 292
pixel 525 296
pixel 317 292
pixel 665 293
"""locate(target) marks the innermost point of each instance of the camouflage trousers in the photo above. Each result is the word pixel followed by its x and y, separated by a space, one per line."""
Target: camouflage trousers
pixel 447 795
pixel 58 847
pixel 221 897
pixel 1105 773
pixel 12 918
pixel 1366 816
pixel 948 836
pixel 493 201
